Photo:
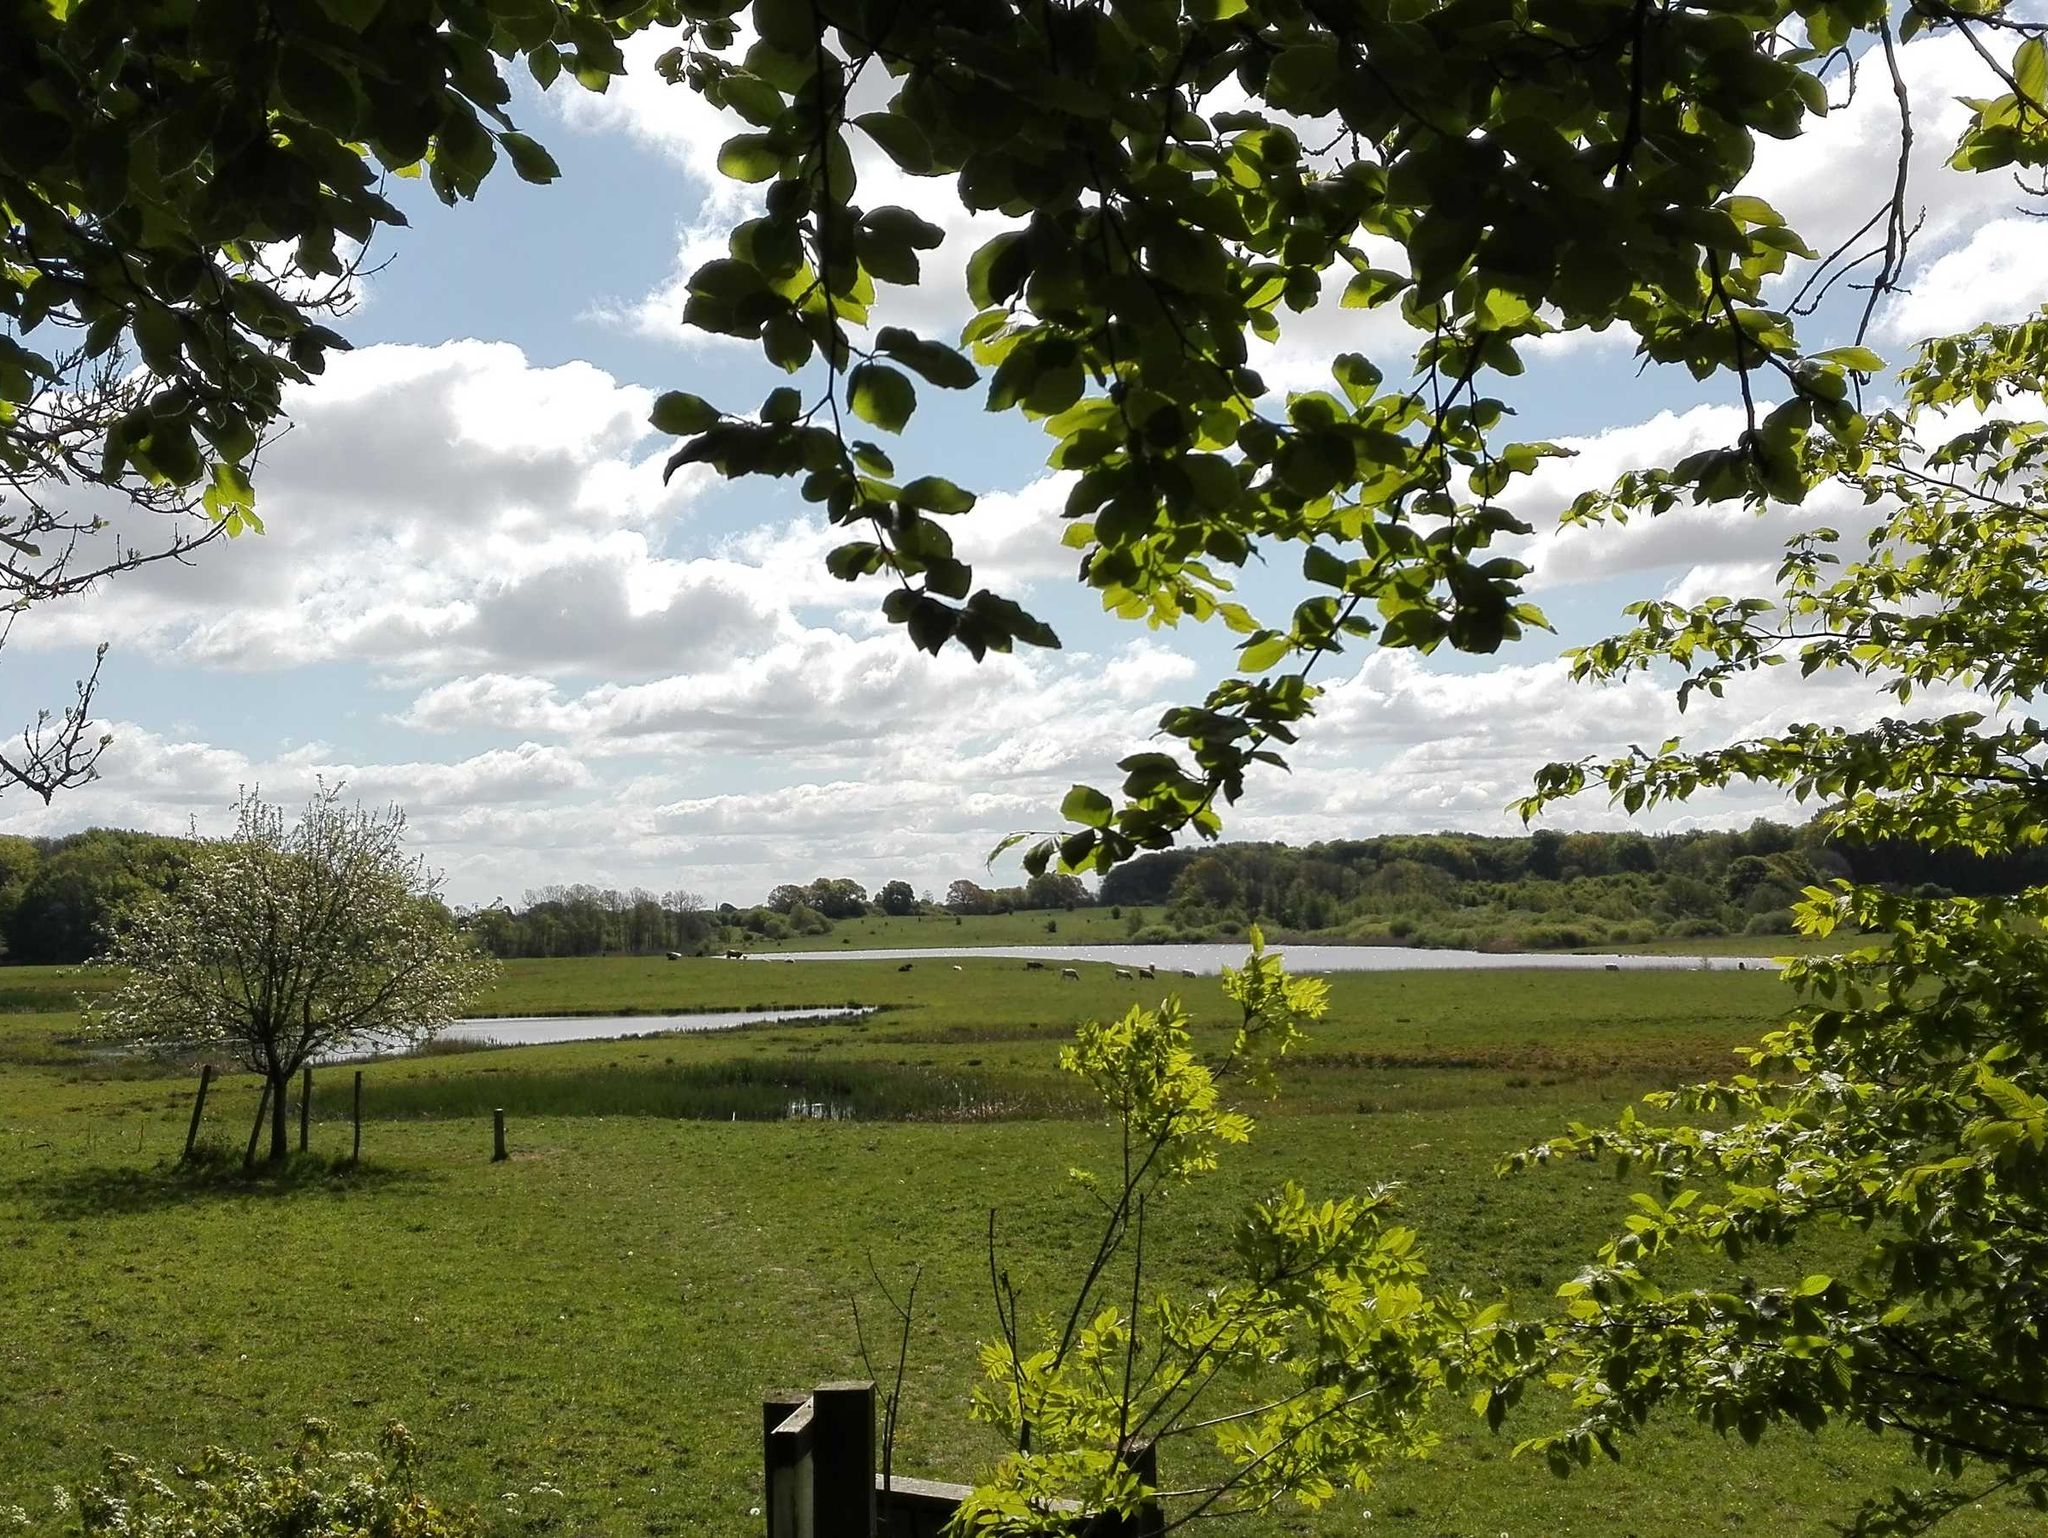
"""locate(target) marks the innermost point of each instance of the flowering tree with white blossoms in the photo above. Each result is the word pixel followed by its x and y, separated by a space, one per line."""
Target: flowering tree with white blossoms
pixel 286 943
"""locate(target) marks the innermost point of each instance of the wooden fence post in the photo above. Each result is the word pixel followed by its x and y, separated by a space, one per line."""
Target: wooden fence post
pixel 198 1109
pixel 791 1459
pixel 305 1103
pixel 1149 1520
pixel 262 1105
pixel 776 1495
pixel 845 1457
pixel 356 1154
pixel 498 1154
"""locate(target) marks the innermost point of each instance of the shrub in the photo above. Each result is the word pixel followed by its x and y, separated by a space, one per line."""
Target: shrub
pixel 230 1495
pixel 1686 929
pixel 1557 937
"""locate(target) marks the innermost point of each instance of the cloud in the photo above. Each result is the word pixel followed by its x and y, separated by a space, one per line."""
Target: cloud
pixel 825 697
pixel 1829 181
pixel 1401 745
pixel 2000 274
pixel 154 779
pixel 448 507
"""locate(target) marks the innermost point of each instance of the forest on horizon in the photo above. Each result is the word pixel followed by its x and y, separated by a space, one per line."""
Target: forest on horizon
pixel 60 896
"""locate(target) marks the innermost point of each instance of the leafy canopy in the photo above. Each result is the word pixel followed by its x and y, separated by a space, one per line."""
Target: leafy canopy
pixel 1182 180
pixel 187 189
pixel 1903 1102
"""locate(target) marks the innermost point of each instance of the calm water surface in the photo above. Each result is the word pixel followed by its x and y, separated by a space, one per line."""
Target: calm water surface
pixel 530 1030
pixel 1208 959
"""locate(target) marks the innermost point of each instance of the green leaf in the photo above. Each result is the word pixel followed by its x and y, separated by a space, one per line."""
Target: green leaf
pixel 1373 286
pixel 679 412
pixel 1088 806
pixel 899 138
pixel 933 360
pixel 998 270
pixel 1861 359
pixel 1260 655
pixel 2030 70
pixel 935 494
pixel 751 157
pixel 529 160
pixel 881 395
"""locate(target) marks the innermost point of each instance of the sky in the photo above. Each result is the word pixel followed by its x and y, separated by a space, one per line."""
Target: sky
pixel 474 596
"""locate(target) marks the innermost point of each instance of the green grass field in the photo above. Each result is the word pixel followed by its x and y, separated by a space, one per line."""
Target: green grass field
pixel 601 1314
pixel 1108 926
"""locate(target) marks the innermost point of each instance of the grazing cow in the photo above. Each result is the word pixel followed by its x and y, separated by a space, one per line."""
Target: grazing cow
pixel 1148 971
pixel 1070 974
pixel 735 955
pixel 1034 966
pixel 905 967
pixel 675 955
pixel 1125 976
pixel 1187 971
pixel 958 968
pixel 1614 966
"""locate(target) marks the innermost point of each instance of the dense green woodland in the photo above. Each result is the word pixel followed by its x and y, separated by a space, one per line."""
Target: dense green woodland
pixel 1550 889
pixel 58 896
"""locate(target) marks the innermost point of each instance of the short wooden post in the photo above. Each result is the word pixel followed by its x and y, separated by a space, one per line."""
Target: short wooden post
pixel 198 1108
pixel 1141 1457
pixel 305 1104
pixel 498 1154
pixel 356 1153
pixel 845 1457
pixel 262 1105
pixel 777 1483
pixel 791 1465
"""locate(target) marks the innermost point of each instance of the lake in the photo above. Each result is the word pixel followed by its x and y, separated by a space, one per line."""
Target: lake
pixel 1210 959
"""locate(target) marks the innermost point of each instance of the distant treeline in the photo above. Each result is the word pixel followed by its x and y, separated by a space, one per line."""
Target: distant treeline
pixel 58 896
pixel 1544 889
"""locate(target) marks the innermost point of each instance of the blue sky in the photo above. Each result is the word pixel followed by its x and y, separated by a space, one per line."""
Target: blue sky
pixel 475 597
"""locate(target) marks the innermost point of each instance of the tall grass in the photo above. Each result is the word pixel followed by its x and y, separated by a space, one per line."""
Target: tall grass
pixel 739 1090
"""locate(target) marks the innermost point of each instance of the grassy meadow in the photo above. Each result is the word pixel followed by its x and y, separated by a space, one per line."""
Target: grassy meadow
pixel 580 1336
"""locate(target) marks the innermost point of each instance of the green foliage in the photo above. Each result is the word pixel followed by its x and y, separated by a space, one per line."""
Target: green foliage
pixel 1307 1362
pixel 1187 179
pixel 187 188
pixel 63 898
pixel 1902 1100
pixel 1580 889
pixel 223 1494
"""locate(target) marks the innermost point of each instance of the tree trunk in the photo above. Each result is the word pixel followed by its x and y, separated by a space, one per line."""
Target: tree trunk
pixel 280 1142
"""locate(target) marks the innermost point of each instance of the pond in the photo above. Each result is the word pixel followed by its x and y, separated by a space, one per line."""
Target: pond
pixel 1209 959
pixel 532 1030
